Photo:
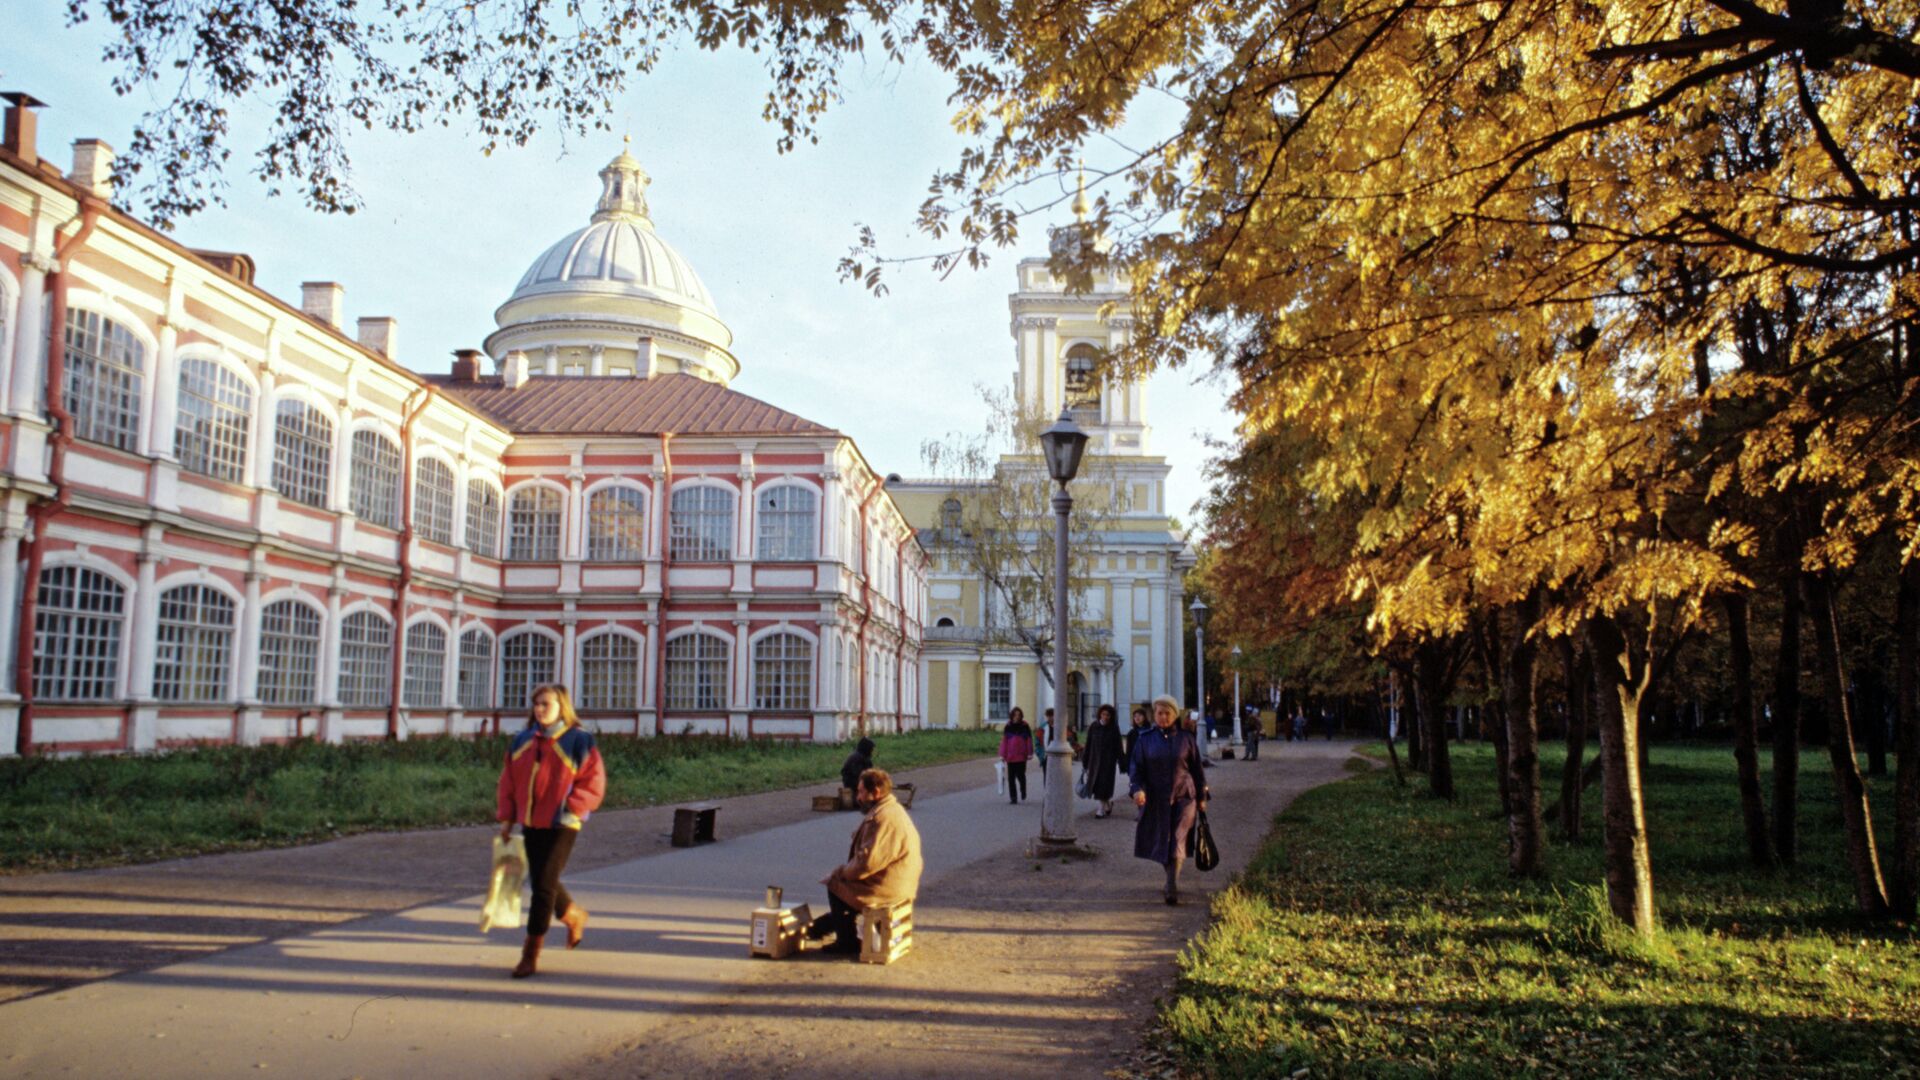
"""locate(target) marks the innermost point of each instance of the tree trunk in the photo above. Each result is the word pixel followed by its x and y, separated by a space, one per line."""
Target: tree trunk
pixel 1526 830
pixel 1746 732
pixel 1579 674
pixel 1410 722
pixel 1786 723
pixel 1872 703
pixel 1617 699
pixel 1430 679
pixel 1869 888
pixel 1486 640
pixel 1905 876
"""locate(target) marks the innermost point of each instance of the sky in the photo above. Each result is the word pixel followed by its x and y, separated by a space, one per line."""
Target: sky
pixel 446 232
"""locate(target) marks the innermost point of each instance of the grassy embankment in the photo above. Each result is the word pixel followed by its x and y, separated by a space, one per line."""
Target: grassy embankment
pixel 1377 934
pixel 75 812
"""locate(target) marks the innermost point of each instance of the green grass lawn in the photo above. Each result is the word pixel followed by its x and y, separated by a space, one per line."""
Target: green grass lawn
pixel 1377 934
pixel 65 813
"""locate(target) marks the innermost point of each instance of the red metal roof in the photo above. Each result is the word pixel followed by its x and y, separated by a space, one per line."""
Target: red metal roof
pixel 624 405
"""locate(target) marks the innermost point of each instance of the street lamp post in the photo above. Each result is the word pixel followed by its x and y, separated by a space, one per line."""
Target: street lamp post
pixel 1236 700
pixel 1061 445
pixel 1200 614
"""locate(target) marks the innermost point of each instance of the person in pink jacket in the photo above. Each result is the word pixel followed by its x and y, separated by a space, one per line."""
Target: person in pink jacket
pixel 1016 749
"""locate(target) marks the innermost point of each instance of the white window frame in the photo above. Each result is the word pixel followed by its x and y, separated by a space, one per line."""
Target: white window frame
pixel 374 476
pixel 433 487
pixel 94 616
pixel 193 643
pixel 529 659
pixel 424 666
pixel 103 385
pixel 1007 710
pixel 783 672
pixel 290 654
pixel 617 523
pixel 467 680
pixel 610 672
pixel 700 523
pixel 303 436
pixel 483 517
pixel 213 425
pixel 366 659
pixel 534 533
pixel 698 672
pixel 786 533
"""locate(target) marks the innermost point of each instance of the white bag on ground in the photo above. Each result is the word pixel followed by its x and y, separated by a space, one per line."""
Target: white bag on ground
pixel 503 895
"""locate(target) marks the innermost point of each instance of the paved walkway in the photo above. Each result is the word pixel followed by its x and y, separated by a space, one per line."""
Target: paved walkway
pixel 665 971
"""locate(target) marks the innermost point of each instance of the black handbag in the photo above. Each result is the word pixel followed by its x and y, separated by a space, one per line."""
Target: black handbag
pixel 1206 854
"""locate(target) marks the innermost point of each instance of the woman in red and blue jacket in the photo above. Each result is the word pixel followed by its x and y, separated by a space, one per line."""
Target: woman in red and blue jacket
pixel 551 781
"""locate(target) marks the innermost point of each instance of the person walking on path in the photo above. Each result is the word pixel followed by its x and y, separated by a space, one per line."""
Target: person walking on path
pixel 1138 725
pixel 552 780
pixel 1251 734
pixel 1168 781
pixel 1102 758
pixel 857 762
pixel 1016 747
pixel 883 864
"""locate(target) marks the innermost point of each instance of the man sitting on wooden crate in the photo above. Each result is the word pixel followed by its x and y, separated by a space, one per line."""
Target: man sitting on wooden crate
pixel 882 867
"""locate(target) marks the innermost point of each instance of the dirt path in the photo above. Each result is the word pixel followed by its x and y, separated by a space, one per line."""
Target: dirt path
pixel 1021 967
pixel 63 929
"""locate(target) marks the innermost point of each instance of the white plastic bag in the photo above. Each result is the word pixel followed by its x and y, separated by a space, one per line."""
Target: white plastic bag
pixel 503 895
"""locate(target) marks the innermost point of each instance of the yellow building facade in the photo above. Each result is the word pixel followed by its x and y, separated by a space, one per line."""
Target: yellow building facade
pixel 982 656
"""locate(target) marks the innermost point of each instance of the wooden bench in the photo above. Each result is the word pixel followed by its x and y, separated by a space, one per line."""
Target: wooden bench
pixel 694 824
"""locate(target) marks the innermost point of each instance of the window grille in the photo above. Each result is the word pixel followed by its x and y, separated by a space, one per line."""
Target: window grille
pixel 610 673
pixel 76 635
pixel 426 666
pixel 302 453
pixel 999 694
pixel 533 525
pixel 105 374
pixel 216 413
pixel 787 523
pixel 701 526
pixel 617 525
pixel 483 518
pixel 289 654
pixel 697 673
pixel 374 482
pixel 433 500
pixel 526 663
pixel 366 643
pixel 193 652
pixel 783 673
pixel 475 686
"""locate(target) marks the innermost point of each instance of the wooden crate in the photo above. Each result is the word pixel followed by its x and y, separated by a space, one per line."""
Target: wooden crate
pixel 826 802
pixel 695 824
pixel 775 932
pixel 904 794
pixel 886 933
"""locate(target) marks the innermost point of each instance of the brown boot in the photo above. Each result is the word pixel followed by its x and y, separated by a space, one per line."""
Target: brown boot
pixel 575 921
pixel 529 958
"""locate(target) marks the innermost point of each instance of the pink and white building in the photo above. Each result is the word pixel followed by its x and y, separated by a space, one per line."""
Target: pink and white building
pixel 234 520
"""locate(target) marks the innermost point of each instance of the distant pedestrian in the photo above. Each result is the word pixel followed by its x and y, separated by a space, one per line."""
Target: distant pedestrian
pixel 1300 725
pixel 857 762
pixel 552 780
pixel 1016 749
pixel 1168 781
pixel 1139 724
pixel 1250 734
pixel 1102 758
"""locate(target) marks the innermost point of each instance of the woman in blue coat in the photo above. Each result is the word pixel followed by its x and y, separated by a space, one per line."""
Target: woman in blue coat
pixel 1168 781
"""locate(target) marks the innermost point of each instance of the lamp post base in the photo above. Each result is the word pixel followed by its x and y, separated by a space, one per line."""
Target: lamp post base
pixel 1056 807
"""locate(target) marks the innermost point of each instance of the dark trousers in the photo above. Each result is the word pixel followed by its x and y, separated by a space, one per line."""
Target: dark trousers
pixel 1253 748
pixel 840 920
pixel 547 854
pixel 1016 781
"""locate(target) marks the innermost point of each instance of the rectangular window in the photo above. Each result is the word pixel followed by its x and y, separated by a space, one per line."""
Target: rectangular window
pixel 476 670
pixel 105 366
pixel 483 519
pixel 193 649
pixel 374 482
pixel 533 525
pixel 697 673
pixel 426 665
pixel 76 635
pixel 787 523
pixel 783 673
pixel 433 500
pixel 527 660
pixel 302 453
pixel 999 694
pixel 289 654
pixel 609 673
pixel 700 528
pixel 366 643
pixel 216 412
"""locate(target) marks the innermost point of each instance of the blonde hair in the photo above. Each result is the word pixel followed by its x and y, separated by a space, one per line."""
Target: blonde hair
pixel 1167 700
pixel 568 718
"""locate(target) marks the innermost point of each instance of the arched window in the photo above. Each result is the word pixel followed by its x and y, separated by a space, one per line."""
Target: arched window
pixel 77 625
pixel 950 514
pixel 610 673
pixel 697 672
pixel 700 528
pixel 193 654
pixel 289 654
pixel 483 518
pixel 426 666
pixel 527 661
pixel 366 657
pixel 1083 391
pixel 783 673
pixel 789 520
pixel 433 500
pixel 944 622
pixel 105 375
pixel 617 525
pixel 475 686
pixel 216 413
pixel 533 526
pixel 374 482
pixel 302 453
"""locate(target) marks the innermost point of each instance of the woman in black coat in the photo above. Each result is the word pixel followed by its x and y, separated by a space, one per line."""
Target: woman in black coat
pixel 1102 758
pixel 1168 781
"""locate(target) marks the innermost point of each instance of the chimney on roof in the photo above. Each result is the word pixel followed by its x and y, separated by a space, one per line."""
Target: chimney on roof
pixel 513 370
pixel 93 166
pixel 324 300
pixel 647 363
pixel 23 126
pixel 381 334
pixel 466 365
